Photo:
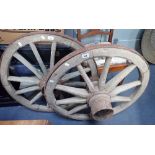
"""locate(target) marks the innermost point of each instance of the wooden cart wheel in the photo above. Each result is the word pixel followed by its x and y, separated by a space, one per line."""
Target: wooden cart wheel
pixel 27 89
pixel 147 45
pixel 86 98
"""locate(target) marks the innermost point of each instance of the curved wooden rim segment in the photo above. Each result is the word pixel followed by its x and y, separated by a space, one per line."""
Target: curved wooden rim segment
pixel 50 33
pixel 82 50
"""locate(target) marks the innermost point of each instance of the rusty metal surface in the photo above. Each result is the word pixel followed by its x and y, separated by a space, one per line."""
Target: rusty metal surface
pixel 101 107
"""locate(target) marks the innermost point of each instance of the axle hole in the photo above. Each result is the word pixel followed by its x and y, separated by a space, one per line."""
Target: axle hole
pixel 102 114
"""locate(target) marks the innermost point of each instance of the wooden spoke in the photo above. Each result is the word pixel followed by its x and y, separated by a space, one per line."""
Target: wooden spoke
pixel 125 87
pixel 93 68
pixel 110 85
pixel 75 84
pixel 70 101
pixel 86 78
pixel 38 57
pixel 74 91
pixel 32 80
pixel 72 75
pixel 120 99
pixel 104 73
pixel 77 109
pixel 28 65
pixel 36 97
pixel 53 50
pixel 26 84
pixel 26 90
pixel 79 84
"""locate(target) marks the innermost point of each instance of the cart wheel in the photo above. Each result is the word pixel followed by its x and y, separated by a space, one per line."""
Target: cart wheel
pixel 27 89
pixel 147 45
pixel 87 98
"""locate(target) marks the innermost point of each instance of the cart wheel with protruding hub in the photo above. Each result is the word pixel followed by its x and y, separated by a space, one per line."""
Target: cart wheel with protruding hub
pixel 26 88
pixel 87 98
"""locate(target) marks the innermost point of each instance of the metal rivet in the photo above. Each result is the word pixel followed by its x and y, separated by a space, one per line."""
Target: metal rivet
pixel 43 37
pixel 51 81
pixel 20 44
pixel 67 64
pixel 50 38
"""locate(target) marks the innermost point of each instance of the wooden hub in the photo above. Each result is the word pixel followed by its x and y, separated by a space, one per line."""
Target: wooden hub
pixel 101 107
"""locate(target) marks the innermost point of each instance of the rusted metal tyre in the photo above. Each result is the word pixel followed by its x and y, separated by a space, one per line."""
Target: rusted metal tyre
pixel 88 98
pixel 27 90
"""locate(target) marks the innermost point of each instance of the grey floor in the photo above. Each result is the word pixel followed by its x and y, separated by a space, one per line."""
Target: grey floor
pixel 141 112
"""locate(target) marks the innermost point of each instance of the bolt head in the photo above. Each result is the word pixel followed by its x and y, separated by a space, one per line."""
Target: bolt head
pixel 67 64
pixel 51 81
